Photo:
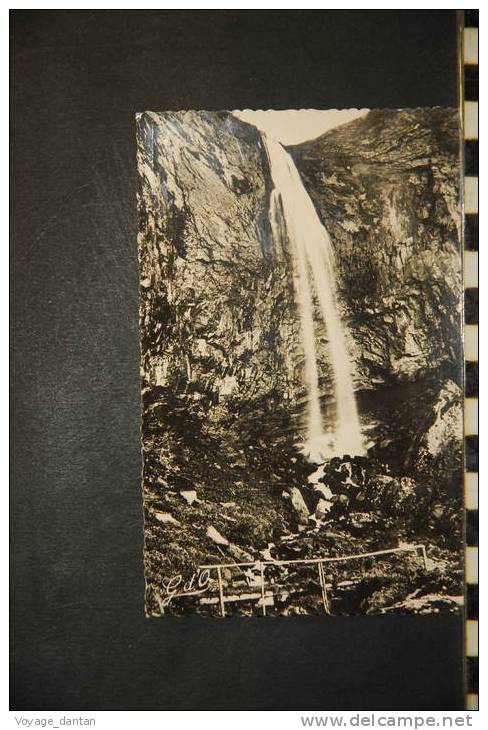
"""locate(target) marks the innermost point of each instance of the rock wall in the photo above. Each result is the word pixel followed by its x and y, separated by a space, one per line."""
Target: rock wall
pixel 217 314
pixel 385 188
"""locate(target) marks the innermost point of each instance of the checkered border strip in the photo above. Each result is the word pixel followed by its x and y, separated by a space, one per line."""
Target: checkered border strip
pixel 470 129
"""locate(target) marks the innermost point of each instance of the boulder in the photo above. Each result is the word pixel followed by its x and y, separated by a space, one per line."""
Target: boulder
pixel 216 537
pixel 298 504
pixel 166 518
pixel 240 555
pixel 323 508
pixel 189 495
pixel 447 426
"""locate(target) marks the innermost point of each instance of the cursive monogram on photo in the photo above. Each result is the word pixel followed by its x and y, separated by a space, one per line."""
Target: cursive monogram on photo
pixel 178 587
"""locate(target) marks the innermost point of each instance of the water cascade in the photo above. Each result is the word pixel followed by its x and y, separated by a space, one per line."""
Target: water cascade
pixel 314 271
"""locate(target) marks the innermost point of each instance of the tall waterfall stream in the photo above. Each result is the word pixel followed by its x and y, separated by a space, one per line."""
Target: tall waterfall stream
pixel 314 273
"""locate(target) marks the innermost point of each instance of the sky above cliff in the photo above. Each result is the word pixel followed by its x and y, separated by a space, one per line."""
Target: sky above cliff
pixel 298 125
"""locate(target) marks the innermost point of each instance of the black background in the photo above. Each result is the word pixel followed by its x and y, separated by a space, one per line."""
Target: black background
pixel 79 636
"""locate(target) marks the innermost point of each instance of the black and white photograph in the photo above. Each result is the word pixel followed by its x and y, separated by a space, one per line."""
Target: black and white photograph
pixel 243 358
pixel 301 361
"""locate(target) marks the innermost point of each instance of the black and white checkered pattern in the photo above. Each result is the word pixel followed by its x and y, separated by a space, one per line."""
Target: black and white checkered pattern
pixel 470 60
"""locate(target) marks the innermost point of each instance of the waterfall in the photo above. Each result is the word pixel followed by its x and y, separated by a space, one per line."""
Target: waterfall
pixel 314 271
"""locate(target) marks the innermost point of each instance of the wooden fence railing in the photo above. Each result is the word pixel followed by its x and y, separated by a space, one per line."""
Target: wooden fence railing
pixel 260 567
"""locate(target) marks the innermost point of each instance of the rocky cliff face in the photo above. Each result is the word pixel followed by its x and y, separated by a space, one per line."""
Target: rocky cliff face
pixel 216 301
pixel 385 188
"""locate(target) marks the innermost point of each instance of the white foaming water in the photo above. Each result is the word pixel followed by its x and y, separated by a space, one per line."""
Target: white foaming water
pixel 313 256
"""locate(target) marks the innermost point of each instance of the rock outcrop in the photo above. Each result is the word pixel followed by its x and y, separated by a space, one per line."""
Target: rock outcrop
pixel 217 312
pixel 447 428
pixel 385 188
